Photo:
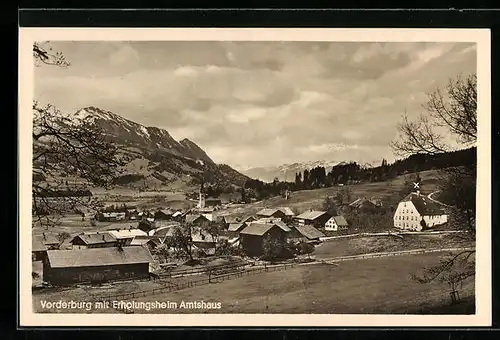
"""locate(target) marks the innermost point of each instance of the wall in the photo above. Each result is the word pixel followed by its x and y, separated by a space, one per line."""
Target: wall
pixel 407 217
pixel 67 276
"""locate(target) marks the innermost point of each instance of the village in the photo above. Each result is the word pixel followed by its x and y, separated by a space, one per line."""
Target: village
pixel 159 245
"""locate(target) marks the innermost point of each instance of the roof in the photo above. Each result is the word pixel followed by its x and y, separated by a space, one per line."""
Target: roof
pixel 360 202
pixel 167 212
pixel 127 233
pixel 268 212
pixel 202 237
pixel 94 257
pixel 47 238
pixel 276 221
pixel 311 215
pixel 231 219
pixel 423 204
pixel 37 244
pixel 177 213
pixel 96 238
pixel 258 229
pixel 192 218
pixel 235 226
pixel 139 241
pixel 287 211
pixel 248 218
pixel 340 220
pixel 310 232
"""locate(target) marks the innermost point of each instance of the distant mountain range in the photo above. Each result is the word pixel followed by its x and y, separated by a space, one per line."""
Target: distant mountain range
pixel 155 158
pixel 287 171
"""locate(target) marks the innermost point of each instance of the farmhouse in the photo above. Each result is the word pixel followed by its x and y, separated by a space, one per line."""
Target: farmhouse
pixel 363 204
pixel 38 249
pixel 254 235
pixel 94 240
pixel 125 236
pixel 417 212
pixel 336 223
pixel 50 241
pixel 287 211
pixel 234 229
pixel 196 219
pixel 110 216
pixel 314 217
pixel 163 215
pixel 66 267
pixel 306 233
pixel 267 212
pixel 203 242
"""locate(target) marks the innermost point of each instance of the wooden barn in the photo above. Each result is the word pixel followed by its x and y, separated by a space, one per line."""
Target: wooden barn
pixel 94 240
pixel 314 218
pixel 66 267
pixel 253 236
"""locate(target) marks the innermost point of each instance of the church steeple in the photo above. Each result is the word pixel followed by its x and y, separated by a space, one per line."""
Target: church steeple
pixel 201 201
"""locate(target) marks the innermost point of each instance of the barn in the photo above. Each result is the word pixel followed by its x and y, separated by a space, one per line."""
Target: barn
pixel 93 240
pixel 95 265
pixel 314 218
pixel 253 236
pixel 268 212
pixel 38 249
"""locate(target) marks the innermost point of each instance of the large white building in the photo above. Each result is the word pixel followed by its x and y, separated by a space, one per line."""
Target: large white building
pixel 416 212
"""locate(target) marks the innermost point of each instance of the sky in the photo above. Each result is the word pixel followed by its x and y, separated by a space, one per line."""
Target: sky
pixel 253 104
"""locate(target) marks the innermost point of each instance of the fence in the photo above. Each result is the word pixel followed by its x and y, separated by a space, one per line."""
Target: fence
pixel 220 268
pixel 171 287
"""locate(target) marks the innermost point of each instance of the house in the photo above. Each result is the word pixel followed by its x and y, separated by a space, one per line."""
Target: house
pixel 110 216
pixel 248 219
pixel 203 242
pixel 336 223
pixel 234 229
pixel 363 204
pixel 66 267
pixel 417 212
pixel 50 241
pixel 146 225
pixel 287 211
pixel 131 214
pixel 305 233
pixel 315 218
pixel 268 212
pixel 161 230
pixel 38 249
pixel 196 219
pixel 125 236
pixel 94 240
pixel 213 202
pixel 163 215
pixel 227 219
pixel 253 237
pixel 149 241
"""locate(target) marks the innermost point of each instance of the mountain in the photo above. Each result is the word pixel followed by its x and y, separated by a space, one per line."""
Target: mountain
pixel 285 171
pixel 155 158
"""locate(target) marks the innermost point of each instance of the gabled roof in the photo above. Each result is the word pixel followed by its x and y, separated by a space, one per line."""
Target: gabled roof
pixel 424 205
pixel 360 202
pixel 268 212
pixel 258 229
pixel 235 226
pixel 309 232
pixel 96 238
pixel 231 219
pixel 311 215
pixel 194 217
pixel 166 212
pixel 37 244
pixel 248 218
pixel 48 239
pixel 287 211
pixel 94 257
pixel 177 213
pixel 276 221
pixel 127 233
pixel 340 220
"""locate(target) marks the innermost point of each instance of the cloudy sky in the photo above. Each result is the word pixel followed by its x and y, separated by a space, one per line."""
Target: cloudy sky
pixel 252 104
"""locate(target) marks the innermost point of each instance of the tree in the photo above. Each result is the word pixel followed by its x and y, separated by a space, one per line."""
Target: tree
pixel 330 206
pixel 182 241
pixel 455 111
pixel 70 146
pixel 272 248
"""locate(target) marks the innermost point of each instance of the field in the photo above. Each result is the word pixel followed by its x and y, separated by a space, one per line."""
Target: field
pixel 374 244
pixel 377 286
pixel 312 199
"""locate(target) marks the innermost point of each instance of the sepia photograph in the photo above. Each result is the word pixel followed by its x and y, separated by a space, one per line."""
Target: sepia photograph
pixel 246 174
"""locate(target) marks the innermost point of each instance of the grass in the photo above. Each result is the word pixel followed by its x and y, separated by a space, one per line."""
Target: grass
pixel 370 286
pixel 373 244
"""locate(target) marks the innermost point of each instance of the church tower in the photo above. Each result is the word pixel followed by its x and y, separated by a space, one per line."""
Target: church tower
pixel 201 201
